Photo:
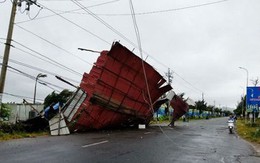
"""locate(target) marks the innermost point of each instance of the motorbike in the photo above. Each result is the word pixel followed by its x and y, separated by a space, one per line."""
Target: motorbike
pixel 231 125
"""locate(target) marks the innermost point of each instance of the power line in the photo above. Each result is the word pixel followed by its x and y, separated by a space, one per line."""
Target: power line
pixel 103 22
pixel 53 44
pixel 115 31
pixel 182 8
pixel 91 33
pixel 32 18
pixel 157 11
pixel 32 77
pixel 121 35
pixel 21 97
pixel 45 58
pixel 141 53
pixel 65 12
pixel 118 33
pixel 50 60
pixel 177 74
pixel 39 69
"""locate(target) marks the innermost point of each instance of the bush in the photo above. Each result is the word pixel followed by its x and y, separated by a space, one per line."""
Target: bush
pixel 164 118
pixel 11 128
pixel 256 134
pixel 5 111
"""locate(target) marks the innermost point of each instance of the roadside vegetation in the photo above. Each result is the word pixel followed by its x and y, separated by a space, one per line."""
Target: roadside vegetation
pixel 17 131
pixel 246 129
pixel 249 131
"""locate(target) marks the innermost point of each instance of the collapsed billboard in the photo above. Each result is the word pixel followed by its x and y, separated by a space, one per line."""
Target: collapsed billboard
pixel 115 93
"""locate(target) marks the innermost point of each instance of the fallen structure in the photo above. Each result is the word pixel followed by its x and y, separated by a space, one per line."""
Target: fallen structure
pixel 113 94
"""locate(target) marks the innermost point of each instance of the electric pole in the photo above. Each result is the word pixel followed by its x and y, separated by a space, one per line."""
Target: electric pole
pixel 7 49
pixel 169 75
pixel 15 3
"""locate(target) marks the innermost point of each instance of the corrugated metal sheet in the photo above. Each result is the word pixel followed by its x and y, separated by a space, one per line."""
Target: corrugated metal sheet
pixel 117 92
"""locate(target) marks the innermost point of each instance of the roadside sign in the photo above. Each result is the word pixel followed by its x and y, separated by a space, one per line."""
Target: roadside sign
pixel 252 99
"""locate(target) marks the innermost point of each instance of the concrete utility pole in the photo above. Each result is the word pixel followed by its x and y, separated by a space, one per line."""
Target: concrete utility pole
pixel 9 40
pixel 7 49
pixel 169 76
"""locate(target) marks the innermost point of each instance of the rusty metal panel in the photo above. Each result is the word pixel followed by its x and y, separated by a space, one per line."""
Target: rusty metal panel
pixel 180 107
pixel 117 92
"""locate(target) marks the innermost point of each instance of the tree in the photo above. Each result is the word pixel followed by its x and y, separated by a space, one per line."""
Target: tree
pixel 241 107
pixel 53 98
pixel 5 111
pixel 227 112
pixel 210 108
pixel 255 81
pixel 201 106
pixel 218 111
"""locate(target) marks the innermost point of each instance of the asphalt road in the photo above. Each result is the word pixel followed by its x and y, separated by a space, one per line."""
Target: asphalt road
pixel 196 141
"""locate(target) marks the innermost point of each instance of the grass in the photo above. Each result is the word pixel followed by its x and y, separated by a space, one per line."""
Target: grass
pixel 10 131
pixel 19 135
pixel 248 131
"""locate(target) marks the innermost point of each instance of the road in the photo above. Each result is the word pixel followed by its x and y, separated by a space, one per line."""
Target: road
pixel 196 141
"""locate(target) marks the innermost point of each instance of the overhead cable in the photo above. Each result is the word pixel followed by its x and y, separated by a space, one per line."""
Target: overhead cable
pixel 53 44
pixel 39 69
pixel 141 53
pixel 157 11
pixel 51 60
pixel 70 21
pixel 32 77
pixel 65 12
pixel 21 97
pixel 103 22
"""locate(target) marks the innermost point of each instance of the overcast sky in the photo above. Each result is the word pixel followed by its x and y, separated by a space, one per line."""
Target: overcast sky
pixel 202 41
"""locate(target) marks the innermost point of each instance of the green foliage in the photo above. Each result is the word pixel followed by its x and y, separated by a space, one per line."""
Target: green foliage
pixel 5 111
pixel 218 110
pixel 11 128
pixel 209 108
pixel 201 106
pixel 55 97
pixel 191 107
pixel 241 106
pixel 164 118
pixel 248 131
pixel 227 112
pixel 15 131
pixel 256 134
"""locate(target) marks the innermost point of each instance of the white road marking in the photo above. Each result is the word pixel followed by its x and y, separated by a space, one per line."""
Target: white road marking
pixel 147 133
pixel 93 144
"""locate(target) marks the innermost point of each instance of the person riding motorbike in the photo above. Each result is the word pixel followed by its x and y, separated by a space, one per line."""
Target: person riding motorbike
pixel 231 121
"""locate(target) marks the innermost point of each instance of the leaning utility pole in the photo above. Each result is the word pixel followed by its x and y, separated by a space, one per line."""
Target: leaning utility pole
pixel 7 49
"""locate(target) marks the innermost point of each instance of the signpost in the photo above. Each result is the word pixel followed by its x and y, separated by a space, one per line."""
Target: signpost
pixel 252 100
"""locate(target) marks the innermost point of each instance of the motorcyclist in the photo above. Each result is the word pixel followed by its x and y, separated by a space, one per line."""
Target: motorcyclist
pixel 231 121
pixel 232 118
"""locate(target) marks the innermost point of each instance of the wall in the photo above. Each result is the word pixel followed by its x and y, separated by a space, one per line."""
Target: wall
pixel 20 112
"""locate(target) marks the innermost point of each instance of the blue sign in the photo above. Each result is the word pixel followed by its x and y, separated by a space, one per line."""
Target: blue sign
pixel 252 99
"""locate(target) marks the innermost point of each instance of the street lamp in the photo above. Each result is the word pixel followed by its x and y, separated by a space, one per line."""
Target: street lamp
pixel 246 75
pixel 40 75
pixel 246 85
